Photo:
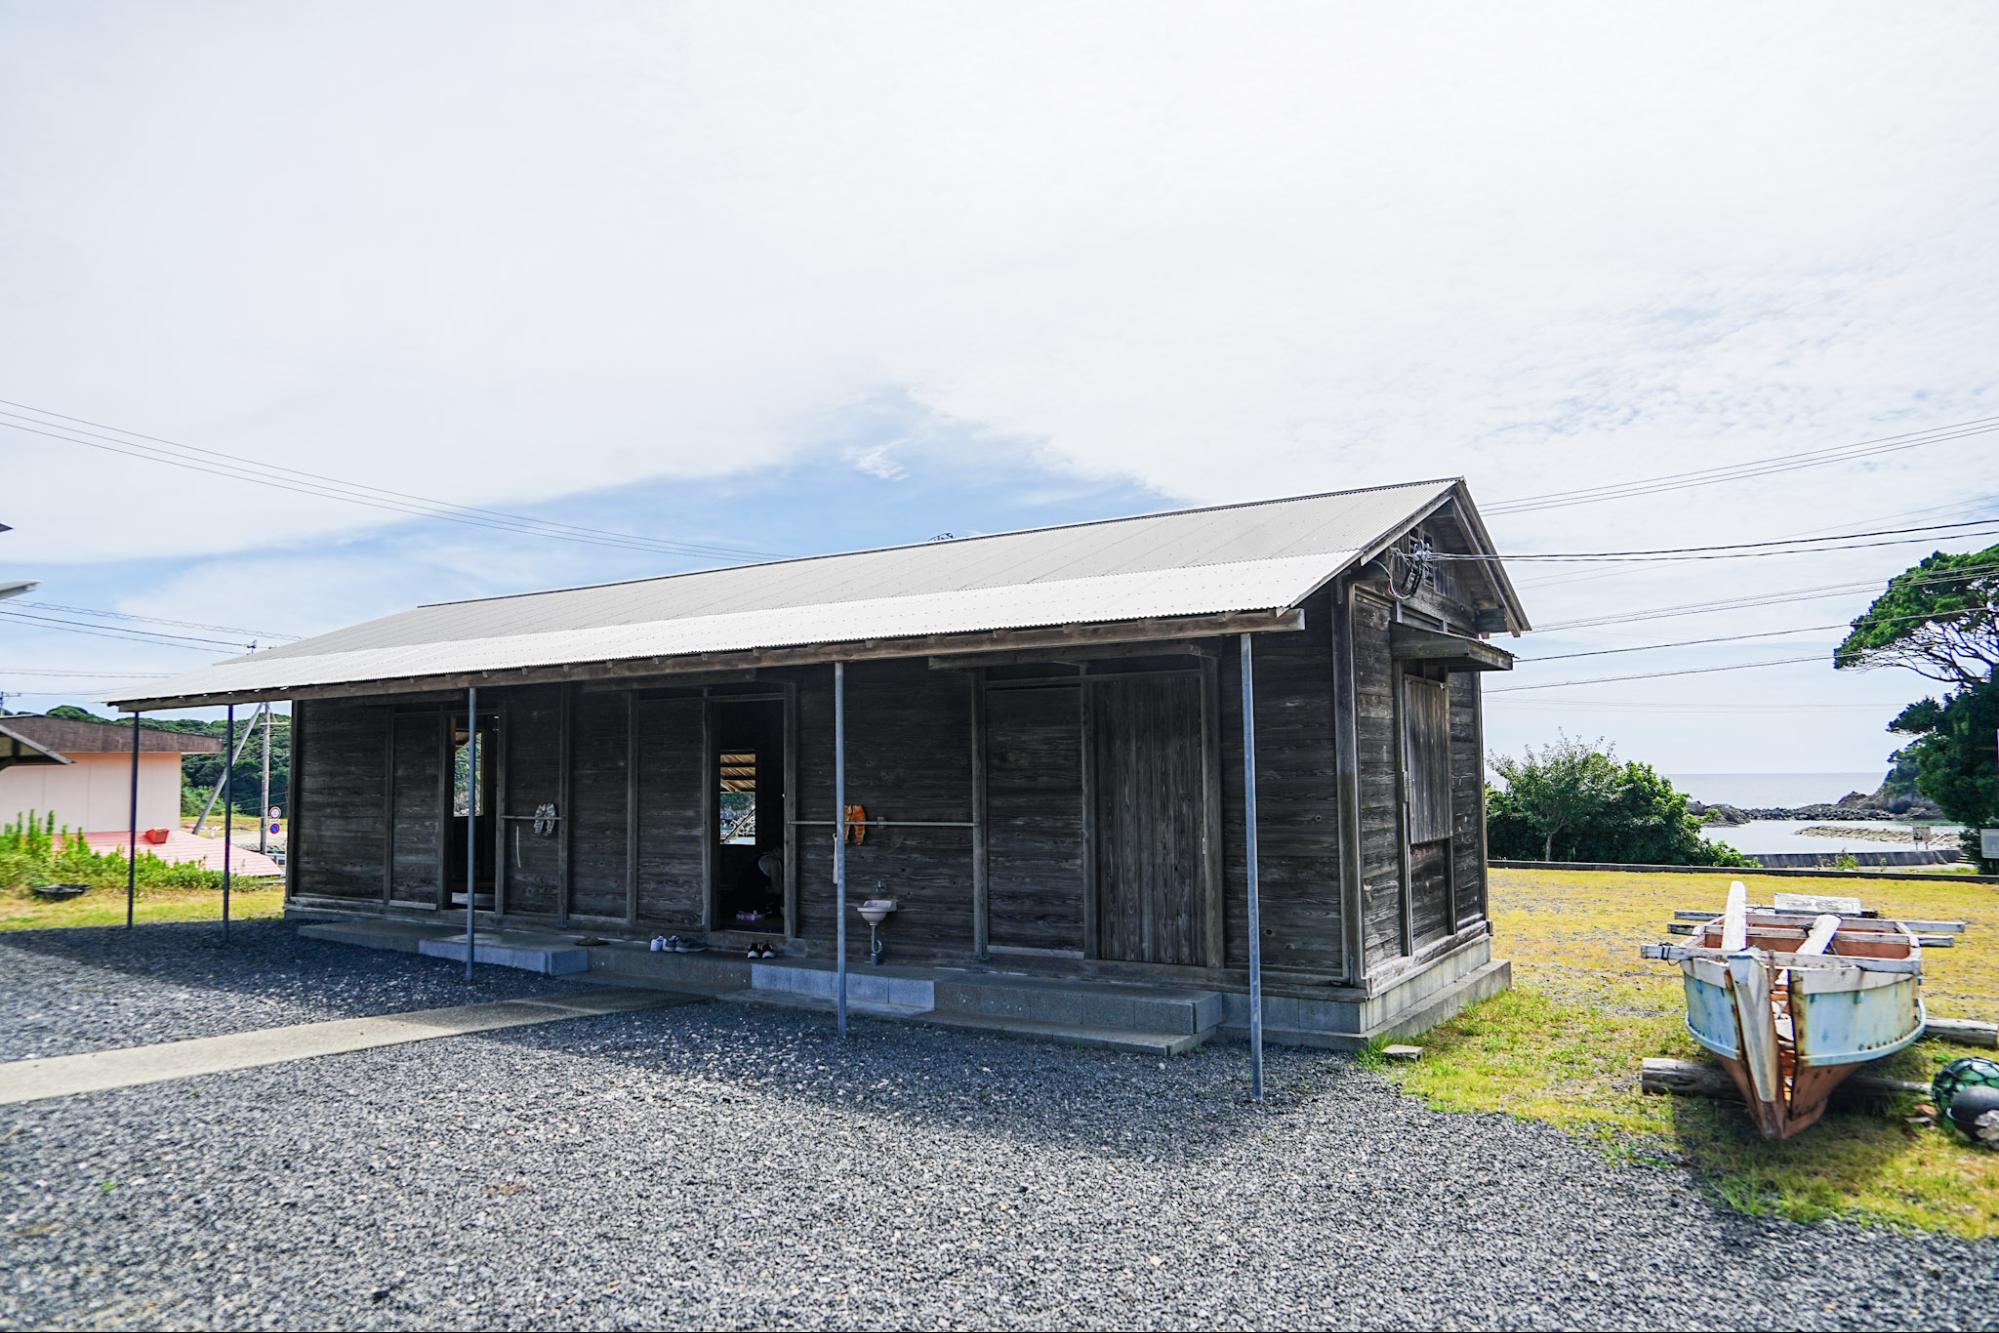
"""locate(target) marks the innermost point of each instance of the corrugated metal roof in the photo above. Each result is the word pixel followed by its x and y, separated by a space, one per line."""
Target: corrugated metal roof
pixel 1265 556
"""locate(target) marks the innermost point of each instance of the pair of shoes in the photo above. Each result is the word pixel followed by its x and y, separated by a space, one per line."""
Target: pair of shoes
pixel 674 944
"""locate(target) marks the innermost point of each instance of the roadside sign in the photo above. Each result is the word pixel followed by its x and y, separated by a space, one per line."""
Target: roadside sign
pixel 277 813
pixel 1988 843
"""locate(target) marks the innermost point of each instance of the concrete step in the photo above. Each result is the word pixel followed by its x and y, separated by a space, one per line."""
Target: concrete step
pixel 906 993
pixel 1080 1006
pixel 554 960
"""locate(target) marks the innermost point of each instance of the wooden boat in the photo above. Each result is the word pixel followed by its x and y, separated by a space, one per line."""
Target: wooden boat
pixel 1792 1002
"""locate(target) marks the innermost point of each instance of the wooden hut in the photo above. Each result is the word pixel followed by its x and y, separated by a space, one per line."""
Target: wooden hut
pixel 1033 742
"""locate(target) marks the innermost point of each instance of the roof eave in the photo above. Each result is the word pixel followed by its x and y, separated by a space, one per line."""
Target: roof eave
pixel 1272 620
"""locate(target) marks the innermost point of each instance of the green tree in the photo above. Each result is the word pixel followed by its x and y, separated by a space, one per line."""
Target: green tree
pixel 1553 792
pixel 1575 798
pixel 1940 619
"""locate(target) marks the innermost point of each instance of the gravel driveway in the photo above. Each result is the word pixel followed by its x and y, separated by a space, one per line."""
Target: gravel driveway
pixel 70 991
pixel 712 1165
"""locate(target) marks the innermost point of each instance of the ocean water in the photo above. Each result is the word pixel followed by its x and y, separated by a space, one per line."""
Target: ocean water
pixel 1783 835
pixel 1768 789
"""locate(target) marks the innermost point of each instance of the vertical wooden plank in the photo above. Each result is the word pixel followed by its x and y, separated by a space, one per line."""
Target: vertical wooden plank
pixel 389 810
pixel 1214 938
pixel 445 769
pixel 566 816
pixel 1397 727
pixel 1478 729
pixel 710 813
pixel 1092 946
pixel 791 810
pixel 631 809
pixel 496 804
pixel 981 892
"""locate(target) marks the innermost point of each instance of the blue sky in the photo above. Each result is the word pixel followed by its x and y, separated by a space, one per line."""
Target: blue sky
pixel 807 277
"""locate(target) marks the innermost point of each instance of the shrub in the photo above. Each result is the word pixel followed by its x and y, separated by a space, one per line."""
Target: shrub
pixel 34 851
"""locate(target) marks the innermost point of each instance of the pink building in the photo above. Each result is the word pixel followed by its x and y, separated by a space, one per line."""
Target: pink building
pixel 82 771
pixel 93 790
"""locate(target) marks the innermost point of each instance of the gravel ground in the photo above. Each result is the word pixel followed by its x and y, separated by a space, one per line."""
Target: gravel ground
pixel 63 992
pixel 713 1165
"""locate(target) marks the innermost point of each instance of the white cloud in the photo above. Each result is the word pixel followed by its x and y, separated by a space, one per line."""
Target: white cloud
pixel 507 253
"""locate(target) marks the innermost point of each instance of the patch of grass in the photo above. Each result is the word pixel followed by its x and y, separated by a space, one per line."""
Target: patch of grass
pixel 1565 1044
pixel 249 900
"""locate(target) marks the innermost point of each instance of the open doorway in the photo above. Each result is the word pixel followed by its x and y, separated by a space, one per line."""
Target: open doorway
pixel 746 770
pixel 470 792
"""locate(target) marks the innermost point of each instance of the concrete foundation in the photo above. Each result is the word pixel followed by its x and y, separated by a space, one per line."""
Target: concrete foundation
pixel 1154 1020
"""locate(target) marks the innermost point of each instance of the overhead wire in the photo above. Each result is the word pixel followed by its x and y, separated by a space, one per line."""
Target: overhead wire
pixel 157 449
pixel 151 620
pixel 1729 472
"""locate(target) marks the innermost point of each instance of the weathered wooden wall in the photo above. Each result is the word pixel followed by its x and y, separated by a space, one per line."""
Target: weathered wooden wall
pixel 1467 799
pixel 672 869
pixel 531 866
pixel 1146 789
pixel 1380 795
pixel 909 757
pixel 1298 820
pixel 1034 814
pixel 600 752
pixel 343 838
pixel 417 813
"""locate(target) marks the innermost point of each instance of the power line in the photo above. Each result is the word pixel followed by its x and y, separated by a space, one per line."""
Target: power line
pixel 1637 706
pixel 1738 638
pixel 120 635
pixel 320 485
pixel 1600 575
pixel 1799 545
pixel 1657 675
pixel 1755 600
pixel 1718 475
pixel 156 620
pixel 86 675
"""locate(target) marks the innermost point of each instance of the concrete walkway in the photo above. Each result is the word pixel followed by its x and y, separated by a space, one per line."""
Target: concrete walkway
pixel 67 1075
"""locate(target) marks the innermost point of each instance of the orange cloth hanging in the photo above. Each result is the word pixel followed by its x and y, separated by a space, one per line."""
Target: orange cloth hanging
pixel 857 828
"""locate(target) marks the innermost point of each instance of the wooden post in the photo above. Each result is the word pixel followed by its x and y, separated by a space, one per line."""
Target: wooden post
pixel 1249 853
pixel 1214 880
pixel 981 885
pixel 447 763
pixel 565 817
pixel 710 806
pixel 1346 761
pixel 790 810
pixel 389 811
pixel 1087 730
pixel 631 810
pixel 293 771
pixel 132 843
pixel 840 840
pixel 503 828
